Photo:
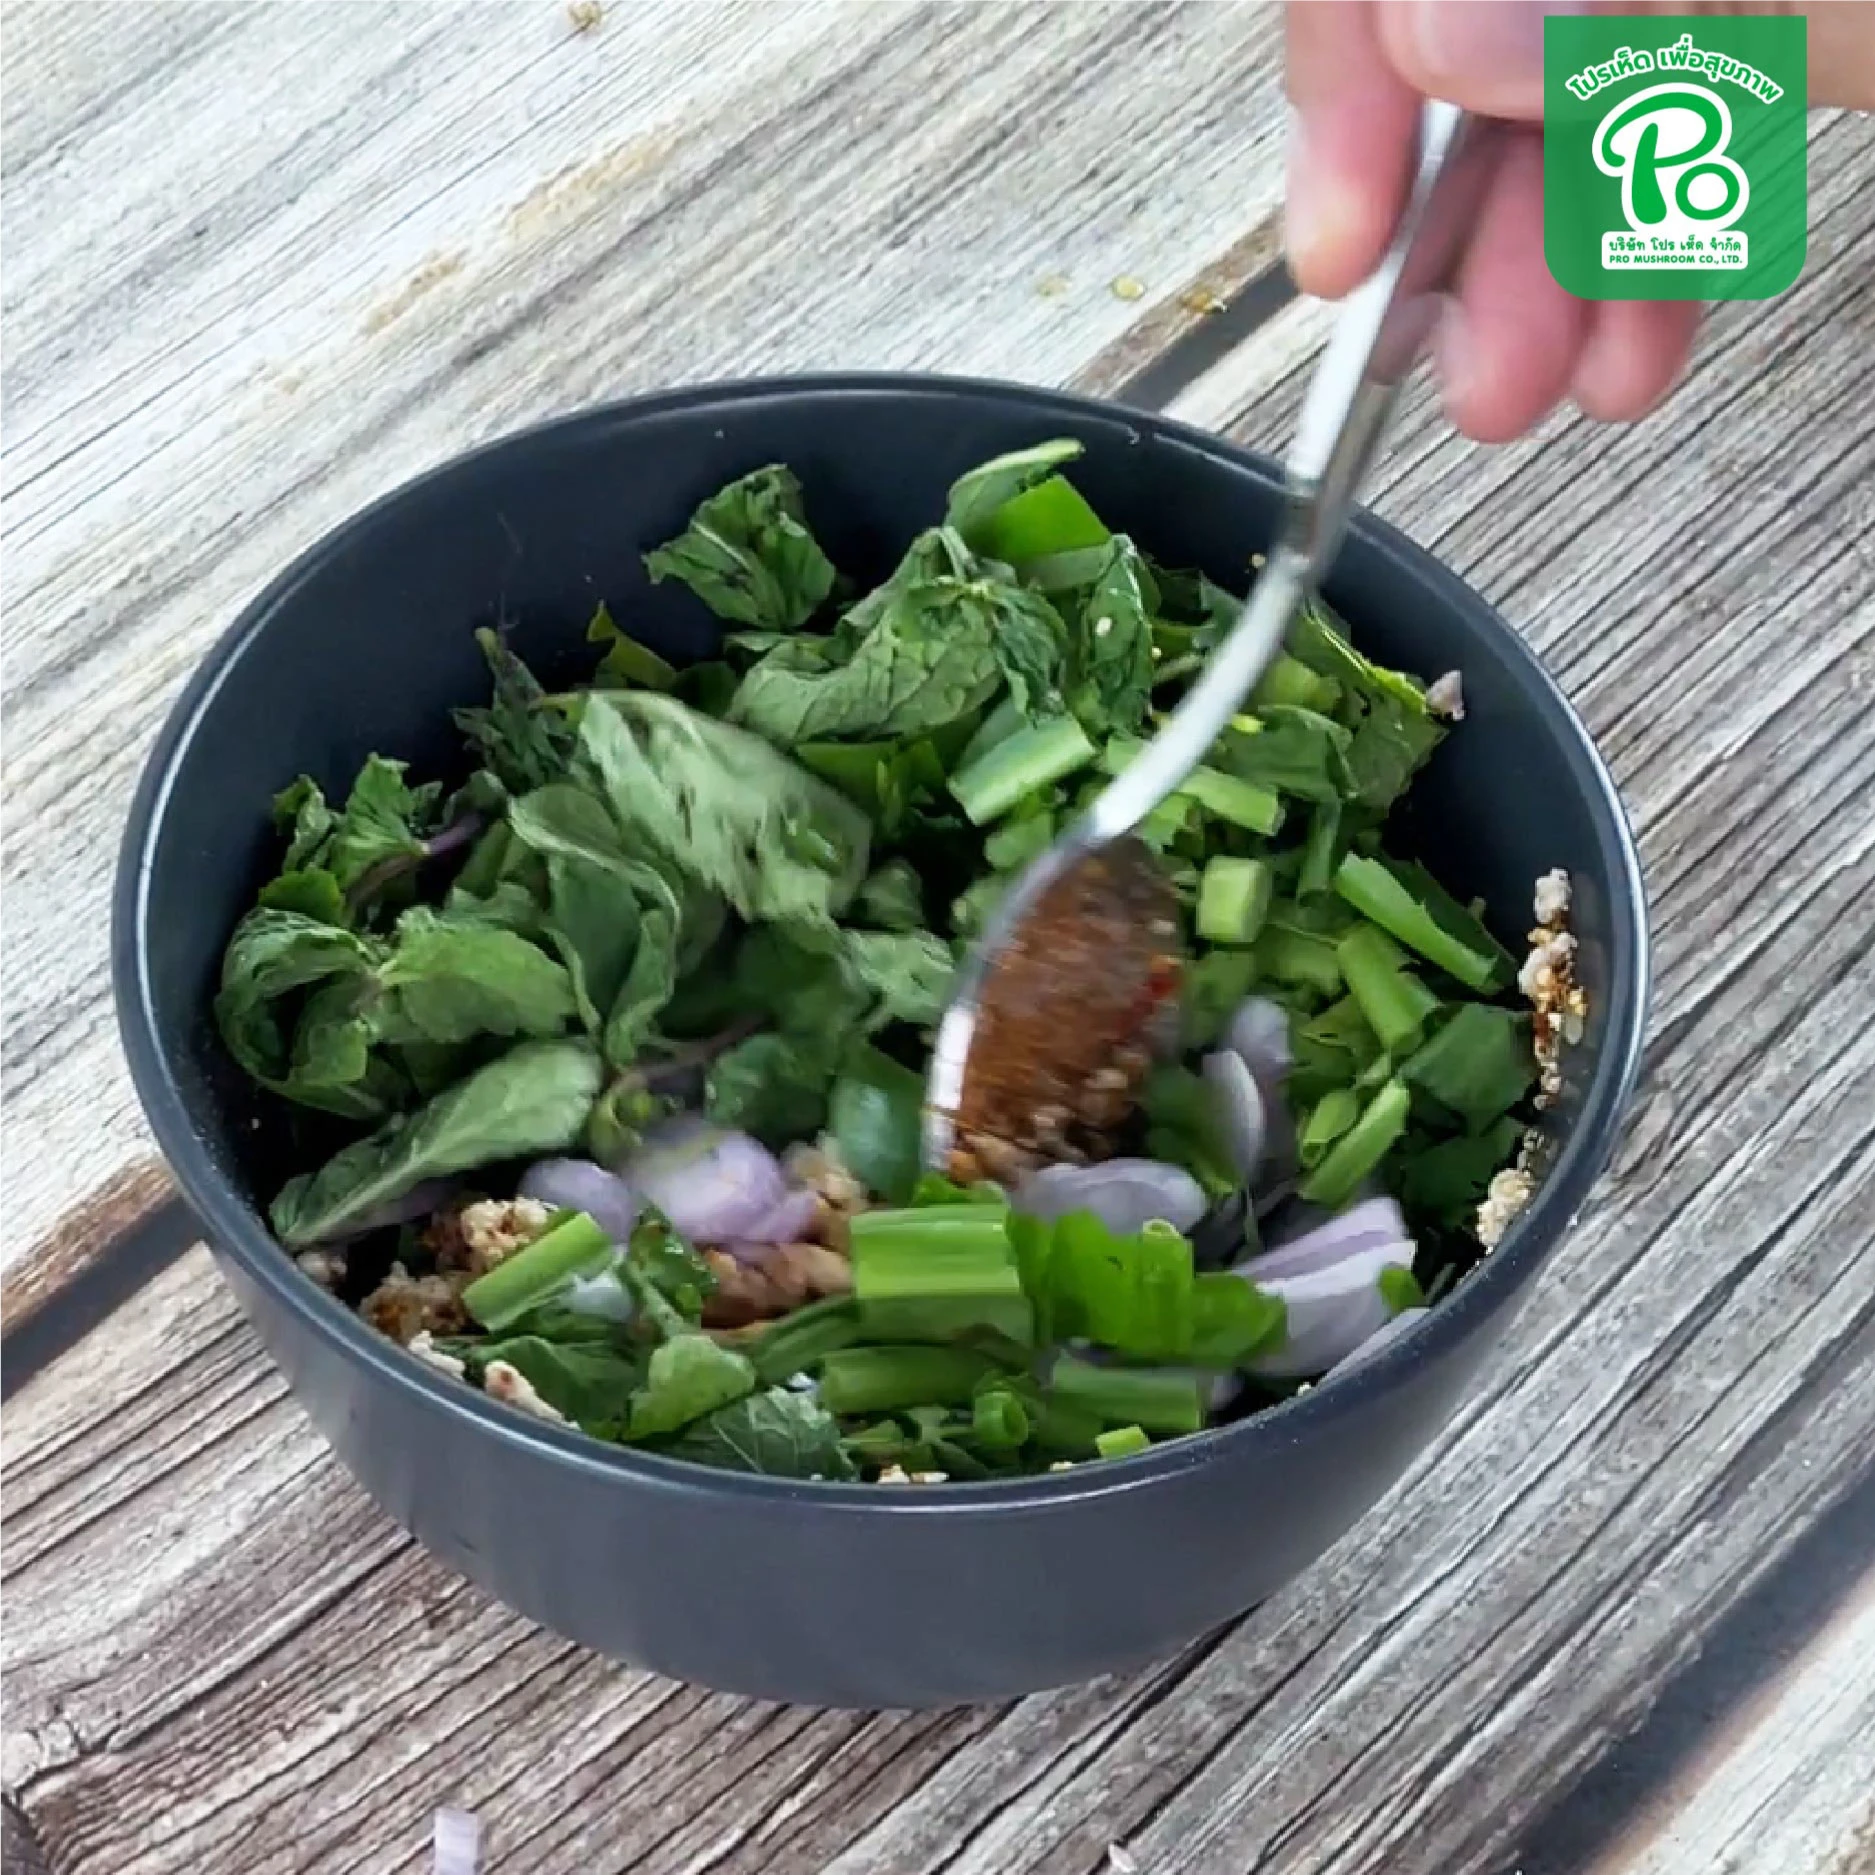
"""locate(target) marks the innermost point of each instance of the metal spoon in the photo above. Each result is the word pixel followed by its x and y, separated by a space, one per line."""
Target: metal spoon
pixel 1076 969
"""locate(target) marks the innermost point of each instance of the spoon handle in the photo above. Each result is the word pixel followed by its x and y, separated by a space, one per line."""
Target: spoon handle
pixel 1377 335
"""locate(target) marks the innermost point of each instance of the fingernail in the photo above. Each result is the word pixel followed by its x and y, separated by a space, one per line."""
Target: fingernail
pixel 1452 356
pixel 1311 200
pixel 1465 42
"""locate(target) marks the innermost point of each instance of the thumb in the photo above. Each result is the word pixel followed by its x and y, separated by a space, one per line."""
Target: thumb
pixel 1488 54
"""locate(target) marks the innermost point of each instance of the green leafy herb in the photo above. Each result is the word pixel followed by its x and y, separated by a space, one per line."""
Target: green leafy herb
pixel 723 807
pixel 532 1101
pixel 523 740
pixel 776 1433
pixel 1477 1066
pixel 748 555
pixel 689 1376
pixel 876 1116
pixel 627 664
pixel 1111 669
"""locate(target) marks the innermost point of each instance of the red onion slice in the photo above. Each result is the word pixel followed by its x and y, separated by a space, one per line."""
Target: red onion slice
pixel 1331 1311
pixel 1125 1194
pixel 1238 1104
pixel 580 1185
pixel 1259 1035
pixel 789 1220
pixel 1371 1223
pixel 713 1185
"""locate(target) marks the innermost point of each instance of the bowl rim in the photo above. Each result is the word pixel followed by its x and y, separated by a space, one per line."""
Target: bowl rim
pixel 236 1230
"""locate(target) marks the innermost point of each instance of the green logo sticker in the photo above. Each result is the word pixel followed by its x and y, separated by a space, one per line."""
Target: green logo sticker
pixel 1674 155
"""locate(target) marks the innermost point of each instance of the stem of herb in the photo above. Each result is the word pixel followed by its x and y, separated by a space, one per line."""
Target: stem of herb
pixel 1359 1149
pixel 461 832
pixel 572 1246
pixel 895 1379
pixel 1160 1399
pixel 1035 756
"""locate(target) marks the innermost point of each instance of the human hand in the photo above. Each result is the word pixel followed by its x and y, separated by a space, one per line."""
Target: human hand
pixel 1511 343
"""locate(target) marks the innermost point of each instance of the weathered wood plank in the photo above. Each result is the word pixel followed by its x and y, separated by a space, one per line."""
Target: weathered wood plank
pixel 263 263
pixel 1684 1395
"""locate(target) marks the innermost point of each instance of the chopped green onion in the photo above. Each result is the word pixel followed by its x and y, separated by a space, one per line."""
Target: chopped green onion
pixel 1320 854
pixel 572 1246
pixel 1289 681
pixel 1036 756
pixel 999 1422
pixel 895 1379
pixel 1018 841
pixel 1472 955
pixel 1122 1442
pixel 1302 957
pixel 1233 900
pixel 1399 1289
pixel 1359 1149
pixel 1394 1001
pixel 1328 1119
pixel 1241 803
pixel 935 1271
pixel 804 1339
pixel 1157 1398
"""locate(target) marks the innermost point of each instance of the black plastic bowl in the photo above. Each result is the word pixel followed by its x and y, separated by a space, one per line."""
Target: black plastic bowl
pixel 847 1595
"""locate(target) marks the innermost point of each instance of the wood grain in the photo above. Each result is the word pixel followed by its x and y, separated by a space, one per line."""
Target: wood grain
pixel 266 262
pixel 219 1656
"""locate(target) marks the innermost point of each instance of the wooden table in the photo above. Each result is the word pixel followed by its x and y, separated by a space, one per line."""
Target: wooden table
pixel 265 261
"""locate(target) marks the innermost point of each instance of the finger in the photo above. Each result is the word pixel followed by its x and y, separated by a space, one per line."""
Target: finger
pixel 1632 356
pixel 1509 342
pixel 1484 54
pixel 1350 141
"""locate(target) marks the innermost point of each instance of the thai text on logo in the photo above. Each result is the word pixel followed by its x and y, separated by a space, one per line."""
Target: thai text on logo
pixel 1680 189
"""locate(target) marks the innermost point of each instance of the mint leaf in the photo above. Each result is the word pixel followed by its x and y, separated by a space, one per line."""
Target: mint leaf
pixel 272 954
pixel 690 1375
pixel 930 658
pixel 748 555
pixel 1294 751
pixel 876 1118
pixel 908 972
pixel 1111 669
pixel 533 1100
pixel 454 978
pixel 776 1433
pixel 627 664
pixel 519 735
pixel 590 1381
pixel 722 807
pixel 773 1086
